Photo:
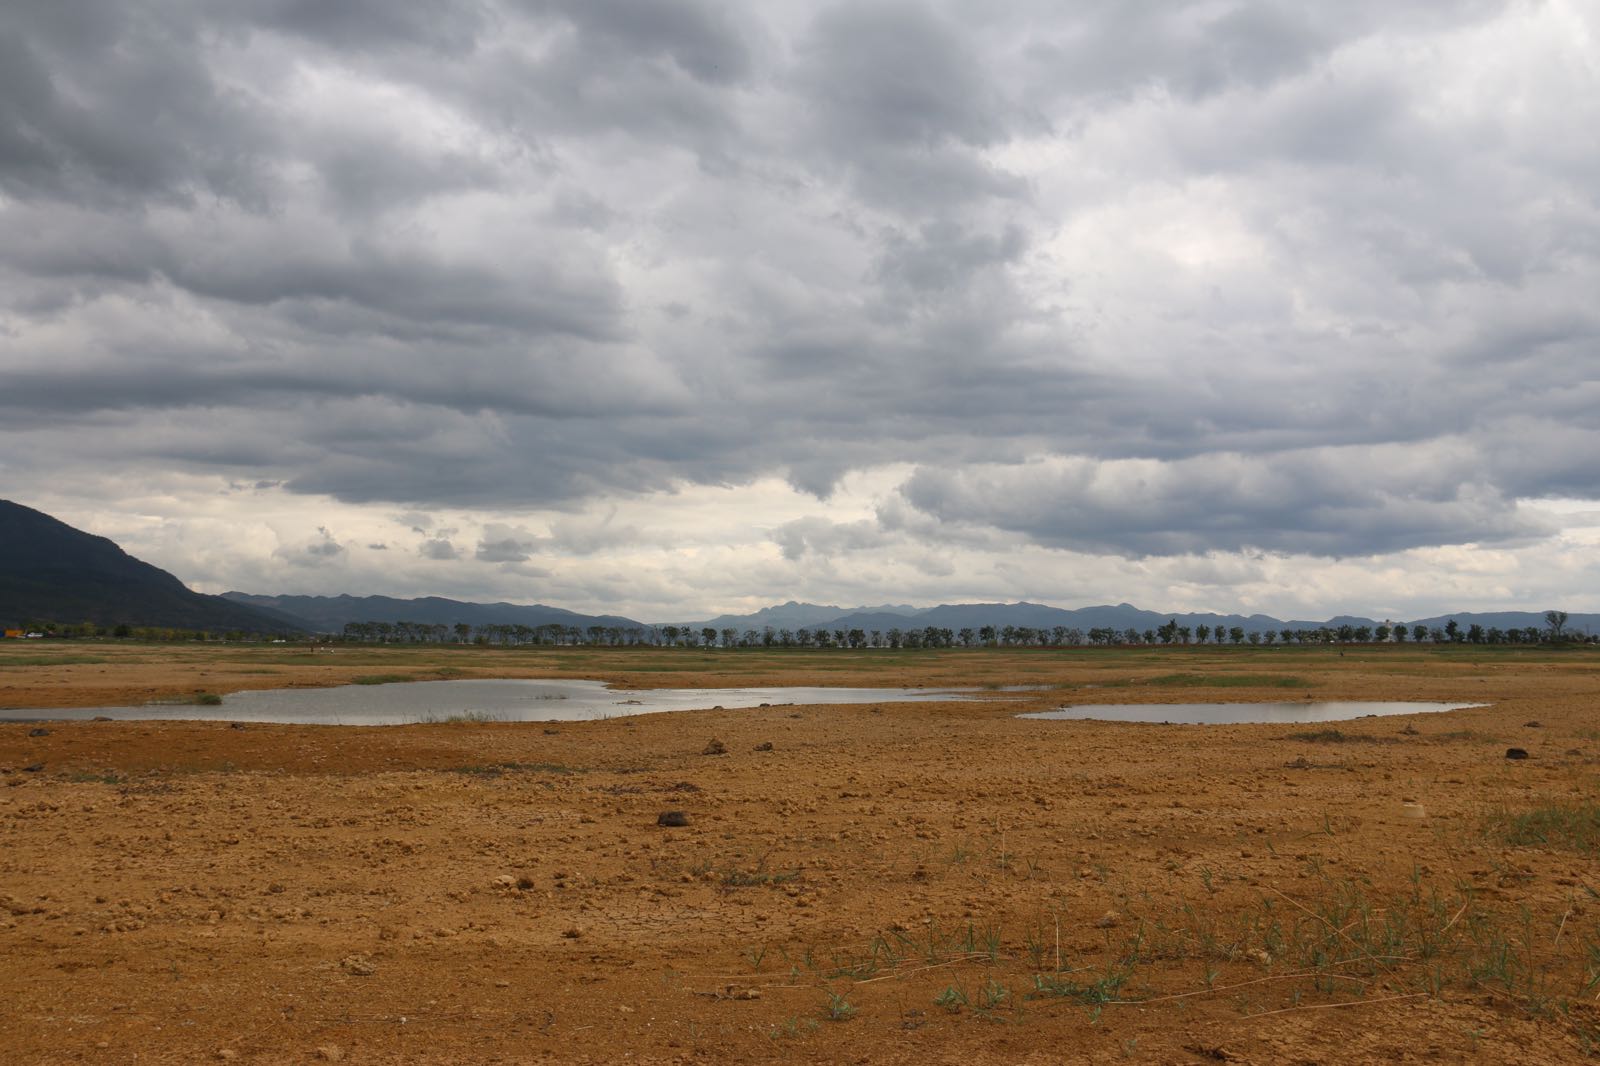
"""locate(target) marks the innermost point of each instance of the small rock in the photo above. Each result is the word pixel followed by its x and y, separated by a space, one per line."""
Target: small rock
pixel 502 984
pixel 1108 920
pixel 227 1054
pixel 765 745
pixel 36 768
pixel 552 732
pixel 572 934
pixel 330 1053
pixel 505 881
pixel 40 732
pixel 1414 811
pixel 1532 725
pixel 236 725
pixel 358 966
pixel 101 718
pixel 672 819
pixel 1516 753
pixel 1410 731
pixel 715 747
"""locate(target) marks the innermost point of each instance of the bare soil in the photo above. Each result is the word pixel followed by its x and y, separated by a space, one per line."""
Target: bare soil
pixel 904 883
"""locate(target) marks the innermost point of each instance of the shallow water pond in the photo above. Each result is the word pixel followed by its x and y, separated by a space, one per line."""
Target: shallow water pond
pixel 486 700
pixel 1242 713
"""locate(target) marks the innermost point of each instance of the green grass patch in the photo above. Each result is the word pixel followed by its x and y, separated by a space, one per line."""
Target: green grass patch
pixel 381 679
pixel 1229 681
pixel 51 660
pixel 1336 736
pixel 89 777
pixel 1568 826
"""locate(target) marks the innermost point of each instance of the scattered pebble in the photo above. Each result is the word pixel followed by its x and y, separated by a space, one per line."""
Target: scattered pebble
pixel 672 819
pixel 765 745
pixel 330 1053
pixel 715 747
pixel 358 966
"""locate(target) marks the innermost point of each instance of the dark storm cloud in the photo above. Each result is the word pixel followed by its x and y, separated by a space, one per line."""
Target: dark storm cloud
pixel 1340 504
pixel 1148 278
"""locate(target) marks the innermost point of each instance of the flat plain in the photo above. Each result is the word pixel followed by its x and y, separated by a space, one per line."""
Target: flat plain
pixel 901 883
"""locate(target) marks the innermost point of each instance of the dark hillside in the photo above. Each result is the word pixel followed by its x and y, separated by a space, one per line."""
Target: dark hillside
pixel 50 571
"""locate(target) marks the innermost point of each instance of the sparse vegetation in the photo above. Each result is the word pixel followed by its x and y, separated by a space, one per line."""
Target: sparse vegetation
pixel 1338 736
pixel 1193 680
pixel 1568 826
pixel 381 679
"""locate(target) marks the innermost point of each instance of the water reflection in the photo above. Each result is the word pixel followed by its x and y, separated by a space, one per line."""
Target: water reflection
pixel 1242 713
pixel 487 700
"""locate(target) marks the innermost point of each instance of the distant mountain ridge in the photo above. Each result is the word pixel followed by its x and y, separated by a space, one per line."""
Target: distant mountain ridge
pixel 793 615
pixel 1121 617
pixel 330 614
pixel 50 571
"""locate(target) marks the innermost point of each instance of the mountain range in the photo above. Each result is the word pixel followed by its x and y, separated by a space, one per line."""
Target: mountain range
pixel 1121 617
pixel 330 614
pixel 51 571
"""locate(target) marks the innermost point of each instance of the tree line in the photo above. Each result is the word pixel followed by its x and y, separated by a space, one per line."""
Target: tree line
pixel 1010 636
pixel 126 631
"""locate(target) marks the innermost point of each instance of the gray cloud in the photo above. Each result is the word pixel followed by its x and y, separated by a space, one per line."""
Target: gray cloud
pixel 438 548
pixel 1143 279
pixel 318 551
pixel 1337 503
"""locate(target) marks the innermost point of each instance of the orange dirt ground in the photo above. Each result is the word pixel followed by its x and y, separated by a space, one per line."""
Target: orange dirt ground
pixel 904 883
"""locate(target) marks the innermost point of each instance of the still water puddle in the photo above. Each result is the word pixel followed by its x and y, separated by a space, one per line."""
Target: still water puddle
pixel 486 700
pixel 1241 713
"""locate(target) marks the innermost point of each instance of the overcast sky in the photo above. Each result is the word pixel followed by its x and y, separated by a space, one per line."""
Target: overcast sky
pixel 668 307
